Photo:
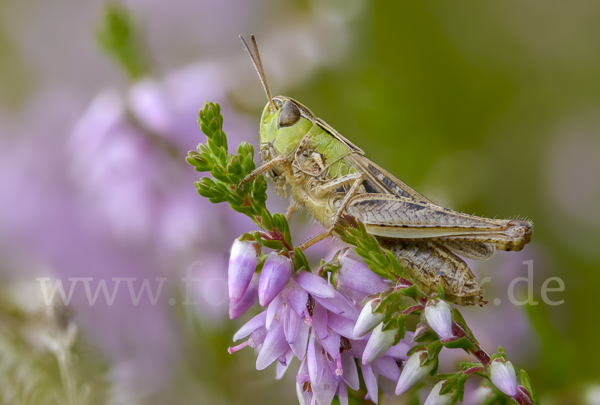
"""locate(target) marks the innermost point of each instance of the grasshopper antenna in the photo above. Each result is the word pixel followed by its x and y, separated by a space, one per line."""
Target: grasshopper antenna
pixel 259 69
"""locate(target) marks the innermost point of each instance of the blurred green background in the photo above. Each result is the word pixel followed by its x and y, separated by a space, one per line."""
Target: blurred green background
pixel 486 107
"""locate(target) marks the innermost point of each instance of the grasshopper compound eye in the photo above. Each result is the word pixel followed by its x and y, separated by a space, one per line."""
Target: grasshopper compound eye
pixel 289 115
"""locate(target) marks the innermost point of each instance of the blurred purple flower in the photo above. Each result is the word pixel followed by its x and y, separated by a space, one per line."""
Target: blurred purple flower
pixel 126 160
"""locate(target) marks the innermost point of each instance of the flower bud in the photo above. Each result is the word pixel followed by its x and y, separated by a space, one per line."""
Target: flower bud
pixel 434 397
pixel 242 263
pixel 275 273
pixel 367 320
pixel 502 374
pixel 236 309
pixel 379 342
pixel 412 372
pixel 439 317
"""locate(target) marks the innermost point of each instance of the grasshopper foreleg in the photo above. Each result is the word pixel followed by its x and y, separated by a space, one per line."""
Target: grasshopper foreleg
pixel 279 160
pixel 322 189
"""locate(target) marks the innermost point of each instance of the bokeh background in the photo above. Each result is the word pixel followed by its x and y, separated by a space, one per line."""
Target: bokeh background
pixel 486 107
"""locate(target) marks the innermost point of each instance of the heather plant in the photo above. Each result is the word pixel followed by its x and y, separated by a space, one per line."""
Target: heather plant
pixel 350 317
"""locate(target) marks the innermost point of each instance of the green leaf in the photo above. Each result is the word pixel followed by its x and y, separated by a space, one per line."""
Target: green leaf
pixel 461 386
pixel 441 291
pixel 378 258
pixel 300 261
pixel 281 223
pixel 411 291
pixel 248 164
pixel 526 382
pixel 259 192
pixel 467 365
pixel 461 343
pixel 217 200
pixel 206 187
pixel 450 384
pixel 414 349
pixel 272 244
pixel 436 364
pixel 397 269
pixel 434 349
pixel 429 335
pixel 265 220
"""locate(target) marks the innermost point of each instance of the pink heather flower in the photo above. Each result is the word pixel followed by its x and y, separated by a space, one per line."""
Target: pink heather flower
pixel 311 392
pixel 502 374
pixel 312 321
pixel 439 317
pixel 413 372
pixel 236 309
pixel 434 397
pixel 333 358
pixel 274 275
pixel 367 320
pixel 356 275
pixel 242 263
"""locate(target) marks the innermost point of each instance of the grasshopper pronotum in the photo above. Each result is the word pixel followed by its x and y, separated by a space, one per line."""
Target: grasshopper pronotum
pixel 329 176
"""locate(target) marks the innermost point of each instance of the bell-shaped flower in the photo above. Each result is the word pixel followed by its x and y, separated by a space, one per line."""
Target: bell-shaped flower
pixel 502 374
pixel 367 319
pixel 242 263
pixel 355 275
pixel 275 274
pixel 413 372
pixel 255 328
pixel 435 398
pixel 439 317
pixel 379 343
pixel 236 309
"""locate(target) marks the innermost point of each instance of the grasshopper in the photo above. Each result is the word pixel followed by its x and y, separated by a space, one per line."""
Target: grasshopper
pixel 329 176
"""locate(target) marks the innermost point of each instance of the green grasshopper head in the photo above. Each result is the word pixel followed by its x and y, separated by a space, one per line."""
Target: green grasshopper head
pixel 284 121
pixel 282 130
